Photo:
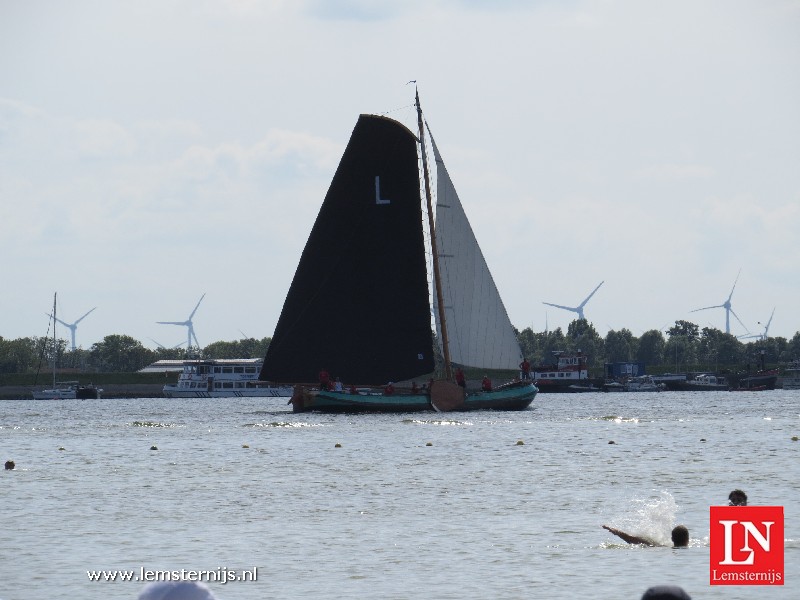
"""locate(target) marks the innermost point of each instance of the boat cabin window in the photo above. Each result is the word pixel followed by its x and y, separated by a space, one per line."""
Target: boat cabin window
pixel 249 369
pixel 227 369
pixel 227 384
pixel 217 369
pixel 238 369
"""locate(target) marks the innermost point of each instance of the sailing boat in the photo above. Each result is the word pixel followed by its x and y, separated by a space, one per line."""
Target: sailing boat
pixel 68 390
pixel 359 305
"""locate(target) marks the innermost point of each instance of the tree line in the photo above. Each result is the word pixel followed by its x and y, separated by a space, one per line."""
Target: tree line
pixel 685 347
pixel 114 354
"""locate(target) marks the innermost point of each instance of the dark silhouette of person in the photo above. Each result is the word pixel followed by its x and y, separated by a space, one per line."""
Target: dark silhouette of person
pixel 680 537
pixel 737 498
pixel 666 592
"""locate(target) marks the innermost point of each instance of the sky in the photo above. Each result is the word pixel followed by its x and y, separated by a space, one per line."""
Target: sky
pixel 158 150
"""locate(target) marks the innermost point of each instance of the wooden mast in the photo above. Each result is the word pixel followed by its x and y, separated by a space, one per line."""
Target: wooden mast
pixel 436 273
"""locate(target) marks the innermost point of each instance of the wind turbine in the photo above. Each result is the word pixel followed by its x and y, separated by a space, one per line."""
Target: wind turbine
pixel 577 309
pixel 189 326
pixel 761 336
pixel 728 310
pixel 72 326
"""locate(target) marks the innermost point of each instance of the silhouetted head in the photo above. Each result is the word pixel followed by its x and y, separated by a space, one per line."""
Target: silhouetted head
pixel 680 536
pixel 176 590
pixel 666 592
pixel 737 498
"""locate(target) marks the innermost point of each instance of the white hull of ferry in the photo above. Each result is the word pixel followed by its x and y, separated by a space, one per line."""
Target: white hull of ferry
pixel 264 392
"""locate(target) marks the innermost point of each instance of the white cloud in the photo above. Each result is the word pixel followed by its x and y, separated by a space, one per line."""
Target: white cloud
pixel 102 138
pixel 673 172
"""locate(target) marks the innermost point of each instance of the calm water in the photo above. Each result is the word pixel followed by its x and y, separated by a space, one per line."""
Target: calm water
pixel 472 515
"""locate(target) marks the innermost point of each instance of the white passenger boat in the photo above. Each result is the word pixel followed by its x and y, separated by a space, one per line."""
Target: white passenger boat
pixel 68 390
pixel 223 378
pixel 643 383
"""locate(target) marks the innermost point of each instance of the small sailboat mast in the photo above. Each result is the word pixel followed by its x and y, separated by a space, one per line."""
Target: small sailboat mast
pixel 434 251
pixel 55 295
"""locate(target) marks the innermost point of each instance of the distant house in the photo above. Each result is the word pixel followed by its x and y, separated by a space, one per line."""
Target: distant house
pixel 619 370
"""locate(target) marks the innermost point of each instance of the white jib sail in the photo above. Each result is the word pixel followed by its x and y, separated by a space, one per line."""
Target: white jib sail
pixel 479 331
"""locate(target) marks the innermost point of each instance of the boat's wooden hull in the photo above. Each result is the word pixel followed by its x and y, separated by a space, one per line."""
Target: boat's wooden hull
pixel 516 396
pixel 173 391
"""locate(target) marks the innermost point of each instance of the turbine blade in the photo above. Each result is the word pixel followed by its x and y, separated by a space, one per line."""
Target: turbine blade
pixel 734 285
pixel 740 321
pixel 196 307
pixel 172 323
pixel 707 307
pixel 570 308
pixel 766 329
pixel 84 316
pixel 590 295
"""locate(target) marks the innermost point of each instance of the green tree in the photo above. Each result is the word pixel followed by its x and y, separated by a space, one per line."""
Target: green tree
pixel 651 347
pixel 793 348
pixel 620 346
pixel 18 356
pixel 120 353
pixel 244 348
pixel 682 345
pixel 716 349
pixel 582 335
pixel 550 341
pixel 528 344
pixel 685 329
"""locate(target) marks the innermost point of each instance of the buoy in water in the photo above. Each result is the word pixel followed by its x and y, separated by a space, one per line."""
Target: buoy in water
pixel 337 445
pixel 429 444
pixel 153 448
pixel 520 443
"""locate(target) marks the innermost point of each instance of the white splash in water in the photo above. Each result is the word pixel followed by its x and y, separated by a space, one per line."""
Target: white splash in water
pixel 652 518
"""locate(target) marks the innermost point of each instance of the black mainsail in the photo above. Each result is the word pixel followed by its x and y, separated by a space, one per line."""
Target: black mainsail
pixel 362 276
